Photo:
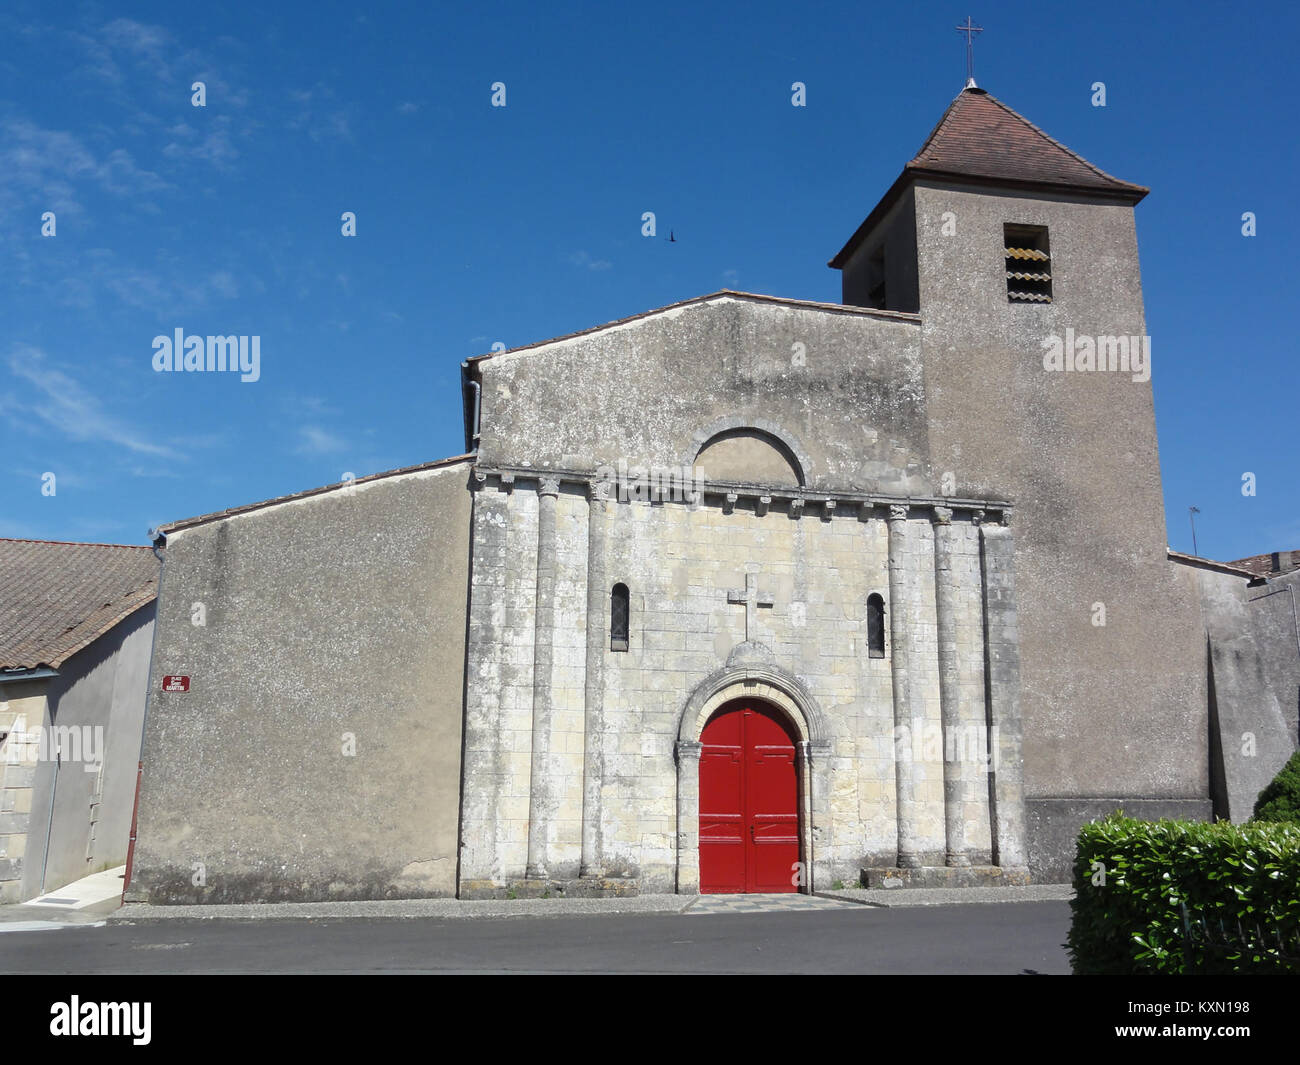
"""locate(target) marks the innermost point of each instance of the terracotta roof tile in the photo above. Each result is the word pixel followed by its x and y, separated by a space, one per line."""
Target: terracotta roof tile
pixel 1271 564
pixel 980 136
pixel 980 140
pixel 56 598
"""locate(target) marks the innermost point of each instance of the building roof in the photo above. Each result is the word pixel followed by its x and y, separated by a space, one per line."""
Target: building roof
pixel 1209 563
pixel 1272 564
pixel 721 294
pixel 56 598
pixel 186 523
pixel 980 140
pixel 980 136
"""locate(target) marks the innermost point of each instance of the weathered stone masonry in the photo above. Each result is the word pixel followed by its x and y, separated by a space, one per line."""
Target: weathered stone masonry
pixel 581 763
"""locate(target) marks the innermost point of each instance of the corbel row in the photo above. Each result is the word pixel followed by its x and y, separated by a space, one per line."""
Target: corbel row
pixel 941 510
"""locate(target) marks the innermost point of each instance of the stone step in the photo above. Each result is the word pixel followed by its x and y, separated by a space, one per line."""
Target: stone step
pixel 942 876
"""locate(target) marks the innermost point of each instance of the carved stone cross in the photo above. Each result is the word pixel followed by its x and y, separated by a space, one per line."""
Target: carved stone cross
pixel 750 597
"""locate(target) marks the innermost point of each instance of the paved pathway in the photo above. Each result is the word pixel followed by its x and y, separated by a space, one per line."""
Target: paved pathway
pixel 787 903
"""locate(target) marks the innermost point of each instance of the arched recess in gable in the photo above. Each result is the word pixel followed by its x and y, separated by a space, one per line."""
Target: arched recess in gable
pixel 749 451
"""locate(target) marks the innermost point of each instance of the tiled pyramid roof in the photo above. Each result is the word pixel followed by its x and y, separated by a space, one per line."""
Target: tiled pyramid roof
pixel 979 136
pixel 56 598
pixel 980 140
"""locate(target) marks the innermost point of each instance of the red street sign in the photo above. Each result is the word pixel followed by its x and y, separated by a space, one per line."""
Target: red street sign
pixel 176 684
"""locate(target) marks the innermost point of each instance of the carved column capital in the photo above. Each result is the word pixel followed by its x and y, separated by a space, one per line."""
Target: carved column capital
pixel 942 516
pixel 898 511
pixel 548 486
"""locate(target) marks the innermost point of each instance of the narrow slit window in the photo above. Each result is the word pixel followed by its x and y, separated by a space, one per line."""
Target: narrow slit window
pixel 618 618
pixel 875 626
pixel 876 296
pixel 1028 264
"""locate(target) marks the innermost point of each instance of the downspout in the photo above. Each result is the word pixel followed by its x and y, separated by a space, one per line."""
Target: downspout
pixel 472 421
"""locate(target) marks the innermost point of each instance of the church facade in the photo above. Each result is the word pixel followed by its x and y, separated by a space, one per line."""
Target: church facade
pixel 740 594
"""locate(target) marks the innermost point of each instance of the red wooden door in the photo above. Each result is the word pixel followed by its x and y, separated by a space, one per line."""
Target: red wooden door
pixel 749 815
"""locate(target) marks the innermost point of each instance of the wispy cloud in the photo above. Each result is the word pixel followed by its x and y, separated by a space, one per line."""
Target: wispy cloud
pixel 584 259
pixel 63 404
pixel 215 147
pixel 46 167
pixel 313 440
pixel 320 116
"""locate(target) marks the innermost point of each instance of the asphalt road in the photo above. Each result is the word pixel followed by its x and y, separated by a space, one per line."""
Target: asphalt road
pixel 1003 938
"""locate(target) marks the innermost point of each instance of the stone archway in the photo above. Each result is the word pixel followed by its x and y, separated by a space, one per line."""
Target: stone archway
pixel 765 682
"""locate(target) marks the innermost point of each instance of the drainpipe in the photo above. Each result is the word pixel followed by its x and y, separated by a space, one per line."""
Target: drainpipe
pixel 472 424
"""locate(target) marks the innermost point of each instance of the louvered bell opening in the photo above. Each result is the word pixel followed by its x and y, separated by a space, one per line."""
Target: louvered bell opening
pixel 1028 264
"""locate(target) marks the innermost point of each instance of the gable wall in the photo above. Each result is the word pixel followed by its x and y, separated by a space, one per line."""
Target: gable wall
pixel 343 613
pixel 855 404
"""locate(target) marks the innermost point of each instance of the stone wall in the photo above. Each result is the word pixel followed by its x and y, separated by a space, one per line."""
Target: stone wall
pixel 316 754
pixel 537 721
pixel 23 708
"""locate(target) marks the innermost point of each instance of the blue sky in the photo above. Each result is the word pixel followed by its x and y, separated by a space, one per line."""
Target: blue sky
pixel 478 224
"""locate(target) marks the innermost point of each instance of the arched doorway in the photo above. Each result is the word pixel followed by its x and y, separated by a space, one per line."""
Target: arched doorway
pixel 749 801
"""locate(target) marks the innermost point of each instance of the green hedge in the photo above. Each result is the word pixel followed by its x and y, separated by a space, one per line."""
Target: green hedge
pixel 1280 801
pixel 1130 919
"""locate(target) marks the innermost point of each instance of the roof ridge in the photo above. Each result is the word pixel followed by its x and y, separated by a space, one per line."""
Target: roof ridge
pixel 1055 143
pixel 722 293
pixel 943 119
pixel 72 543
pixel 306 493
pixel 1223 567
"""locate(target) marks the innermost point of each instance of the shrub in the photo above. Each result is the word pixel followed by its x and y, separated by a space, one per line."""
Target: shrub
pixel 1132 880
pixel 1280 800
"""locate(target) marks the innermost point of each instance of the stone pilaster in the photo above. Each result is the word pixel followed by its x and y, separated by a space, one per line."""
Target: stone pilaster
pixel 598 605
pixel 482 773
pixel 1002 670
pixel 814 812
pixel 542 787
pixel 900 633
pixel 688 816
pixel 946 594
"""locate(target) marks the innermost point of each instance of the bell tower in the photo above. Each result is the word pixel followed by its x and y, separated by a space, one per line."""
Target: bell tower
pixel 1021 259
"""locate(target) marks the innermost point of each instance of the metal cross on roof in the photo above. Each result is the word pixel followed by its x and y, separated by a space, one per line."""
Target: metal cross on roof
pixel 970 29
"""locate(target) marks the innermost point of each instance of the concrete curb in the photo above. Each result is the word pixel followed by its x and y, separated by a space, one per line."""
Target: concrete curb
pixel 406 909
pixel 892 898
pixel 463 909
